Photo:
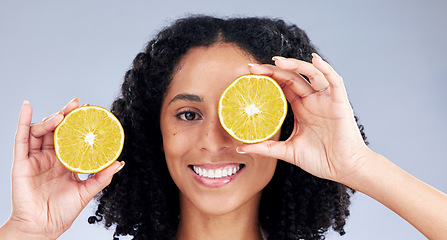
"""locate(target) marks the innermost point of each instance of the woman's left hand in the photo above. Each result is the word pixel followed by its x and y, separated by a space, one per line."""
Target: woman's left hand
pixel 326 141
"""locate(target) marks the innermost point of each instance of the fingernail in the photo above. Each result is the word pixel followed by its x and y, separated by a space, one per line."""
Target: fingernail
pixel 238 150
pixel 252 64
pixel 72 100
pixel 316 56
pixel 278 58
pixel 25 102
pixel 120 167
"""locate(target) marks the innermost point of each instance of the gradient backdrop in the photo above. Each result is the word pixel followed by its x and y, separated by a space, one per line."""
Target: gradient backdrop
pixel 390 53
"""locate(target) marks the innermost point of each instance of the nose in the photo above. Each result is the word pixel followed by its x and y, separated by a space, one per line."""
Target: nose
pixel 213 137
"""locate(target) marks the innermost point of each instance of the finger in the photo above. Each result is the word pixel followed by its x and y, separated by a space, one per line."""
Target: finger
pixel 74 103
pixel 48 142
pixel 48 139
pixel 21 145
pixel 99 181
pixel 45 119
pixel 334 79
pixel 50 122
pixel 316 78
pixel 293 80
pixel 295 102
pixel 291 96
pixel 331 75
pixel 269 148
pixel 39 130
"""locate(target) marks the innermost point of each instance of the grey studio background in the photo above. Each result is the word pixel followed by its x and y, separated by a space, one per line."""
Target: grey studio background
pixel 391 55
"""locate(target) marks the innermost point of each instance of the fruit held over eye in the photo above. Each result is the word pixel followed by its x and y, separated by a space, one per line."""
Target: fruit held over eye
pixel 88 139
pixel 253 108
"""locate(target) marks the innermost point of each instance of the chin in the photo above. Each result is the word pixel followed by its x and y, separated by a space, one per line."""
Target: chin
pixel 219 204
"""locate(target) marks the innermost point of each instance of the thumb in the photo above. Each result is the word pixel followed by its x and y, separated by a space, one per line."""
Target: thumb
pixel 269 148
pixel 100 180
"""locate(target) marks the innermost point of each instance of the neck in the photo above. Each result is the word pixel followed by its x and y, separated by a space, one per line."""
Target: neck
pixel 241 223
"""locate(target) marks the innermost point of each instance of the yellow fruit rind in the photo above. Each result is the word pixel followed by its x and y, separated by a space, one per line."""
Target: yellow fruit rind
pixel 85 136
pixel 248 103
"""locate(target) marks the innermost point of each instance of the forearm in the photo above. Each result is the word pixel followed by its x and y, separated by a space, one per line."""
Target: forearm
pixel 10 231
pixel 420 204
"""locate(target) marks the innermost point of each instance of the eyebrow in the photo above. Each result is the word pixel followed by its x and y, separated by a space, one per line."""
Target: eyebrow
pixel 186 96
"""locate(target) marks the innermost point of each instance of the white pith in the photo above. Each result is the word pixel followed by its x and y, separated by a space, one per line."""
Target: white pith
pixel 90 139
pixel 251 109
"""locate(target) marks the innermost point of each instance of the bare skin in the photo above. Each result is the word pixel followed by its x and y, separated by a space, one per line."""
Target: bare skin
pixel 325 131
pixel 225 208
pixel 46 197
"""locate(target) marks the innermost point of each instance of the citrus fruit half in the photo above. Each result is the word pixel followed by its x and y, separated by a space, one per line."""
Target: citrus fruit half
pixel 253 108
pixel 89 139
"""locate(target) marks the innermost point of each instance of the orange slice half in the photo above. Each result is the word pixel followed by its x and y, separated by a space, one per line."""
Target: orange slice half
pixel 253 108
pixel 88 139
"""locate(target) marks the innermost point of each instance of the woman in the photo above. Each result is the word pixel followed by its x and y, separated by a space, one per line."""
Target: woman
pixel 168 108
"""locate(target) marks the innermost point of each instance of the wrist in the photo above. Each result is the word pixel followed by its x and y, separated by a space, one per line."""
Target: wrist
pixel 13 230
pixel 369 168
pixel 418 203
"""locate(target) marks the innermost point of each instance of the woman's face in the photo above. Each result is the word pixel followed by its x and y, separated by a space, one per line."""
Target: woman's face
pixel 195 144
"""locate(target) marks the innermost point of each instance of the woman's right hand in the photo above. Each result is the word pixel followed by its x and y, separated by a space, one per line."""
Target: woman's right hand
pixel 46 197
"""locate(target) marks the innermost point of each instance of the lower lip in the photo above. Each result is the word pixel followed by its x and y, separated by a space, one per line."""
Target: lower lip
pixel 214 182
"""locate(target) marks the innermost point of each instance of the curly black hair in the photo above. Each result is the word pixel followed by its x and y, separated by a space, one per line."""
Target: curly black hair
pixel 143 201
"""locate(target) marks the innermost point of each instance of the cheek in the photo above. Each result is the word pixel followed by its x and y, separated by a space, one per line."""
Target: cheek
pixel 173 143
pixel 178 144
pixel 263 171
pixel 268 169
pixel 172 140
pixel 174 147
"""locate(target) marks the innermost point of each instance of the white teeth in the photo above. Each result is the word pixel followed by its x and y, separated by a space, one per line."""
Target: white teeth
pixel 210 173
pixel 216 173
pixel 224 172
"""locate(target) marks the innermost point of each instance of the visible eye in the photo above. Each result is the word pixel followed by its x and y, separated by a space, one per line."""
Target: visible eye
pixel 189 116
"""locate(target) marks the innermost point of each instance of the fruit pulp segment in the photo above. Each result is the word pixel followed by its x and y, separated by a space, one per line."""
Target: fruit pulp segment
pixel 89 140
pixel 252 112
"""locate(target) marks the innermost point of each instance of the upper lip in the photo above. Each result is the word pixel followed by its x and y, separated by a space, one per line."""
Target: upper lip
pixel 214 166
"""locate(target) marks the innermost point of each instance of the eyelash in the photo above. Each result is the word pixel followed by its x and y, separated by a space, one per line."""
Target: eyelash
pixel 182 116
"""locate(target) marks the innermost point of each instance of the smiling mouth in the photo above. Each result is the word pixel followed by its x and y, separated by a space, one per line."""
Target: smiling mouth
pixel 222 172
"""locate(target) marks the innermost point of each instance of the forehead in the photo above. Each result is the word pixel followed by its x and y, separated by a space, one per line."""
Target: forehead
pixel 213 68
